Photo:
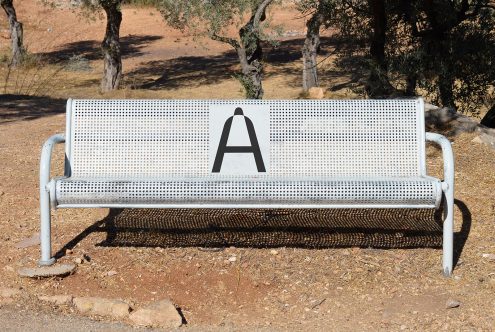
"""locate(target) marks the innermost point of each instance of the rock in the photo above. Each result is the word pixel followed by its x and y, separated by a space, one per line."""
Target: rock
pixel 8 292
pixel 29 242
pixel 111 273
pixel 452 304
pixel 102 307
pixel 232 259
pixel 440 117
pixel 57 299
pixel 477 139
pixel 490 257
pixel 488 139
pixel 316 93
pixel 78 260
pixel 157 314
pixel 274 252
pixel 430 107
pixel 456 123
pixel 57 270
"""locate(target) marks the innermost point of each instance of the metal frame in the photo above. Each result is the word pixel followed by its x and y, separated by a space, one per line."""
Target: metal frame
pixel 45 215
pixel 448 190
pixel 48 199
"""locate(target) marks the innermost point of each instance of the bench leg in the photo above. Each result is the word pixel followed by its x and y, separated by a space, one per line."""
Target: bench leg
pixel 448 233
pixel 45 229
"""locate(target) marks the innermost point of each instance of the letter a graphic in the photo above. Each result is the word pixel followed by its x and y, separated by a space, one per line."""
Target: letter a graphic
pixel 254 148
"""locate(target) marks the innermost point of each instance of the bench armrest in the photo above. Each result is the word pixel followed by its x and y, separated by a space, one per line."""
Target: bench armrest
pixel 448 159
pixel 46 157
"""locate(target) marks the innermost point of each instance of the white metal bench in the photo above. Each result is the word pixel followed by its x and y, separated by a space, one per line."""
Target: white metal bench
pixel 246 153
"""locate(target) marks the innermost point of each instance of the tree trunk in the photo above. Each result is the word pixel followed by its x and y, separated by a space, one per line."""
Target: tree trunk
pixel 252 73
pixel 440 46
pixel 378 84
pixel 411 83
pixel 249 51
pixel 310 50
pixel 16 32
pixel 250 55
pixel 112 67
pixel 445 87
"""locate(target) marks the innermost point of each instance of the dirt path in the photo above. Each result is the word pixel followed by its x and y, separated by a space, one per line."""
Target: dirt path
pixel 13 319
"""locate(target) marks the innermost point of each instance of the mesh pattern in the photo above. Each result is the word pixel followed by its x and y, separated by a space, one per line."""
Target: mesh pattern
pixel 390 192
pixel 152 139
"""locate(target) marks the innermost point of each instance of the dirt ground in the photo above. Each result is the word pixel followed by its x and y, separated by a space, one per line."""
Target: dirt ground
pixel 278 270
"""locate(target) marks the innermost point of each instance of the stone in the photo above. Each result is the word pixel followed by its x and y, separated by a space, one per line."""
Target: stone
pixel 8 292
pixel 57 270
pixel 316 93
pixel 490 257
pixel 488 139
pixel 111 273
pixel 102 306
pixel 477 140
pixel 29 242
pixel 430 107
pixel 451 303
pixel 57 299
pixel 161 314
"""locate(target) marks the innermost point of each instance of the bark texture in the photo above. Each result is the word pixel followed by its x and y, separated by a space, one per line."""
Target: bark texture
pixel 250 56
pixel 16 32
pixel 378 84
pixel 250 52
pixel 310 49
pixel 112 67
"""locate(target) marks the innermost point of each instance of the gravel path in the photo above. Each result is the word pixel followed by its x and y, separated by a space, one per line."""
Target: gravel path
pixel 13 319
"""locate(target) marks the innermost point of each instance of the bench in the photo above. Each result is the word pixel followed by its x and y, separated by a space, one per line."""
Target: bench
pixel 246 154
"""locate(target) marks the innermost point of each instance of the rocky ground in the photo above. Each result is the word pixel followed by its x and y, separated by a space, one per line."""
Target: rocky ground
pixel 281 270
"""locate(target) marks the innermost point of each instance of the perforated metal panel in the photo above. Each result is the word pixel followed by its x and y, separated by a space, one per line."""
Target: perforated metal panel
pixel 143 139
pixel 145 152
pixel 347 192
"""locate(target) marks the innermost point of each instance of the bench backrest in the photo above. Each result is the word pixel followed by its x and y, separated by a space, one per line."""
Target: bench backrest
pixel 137 139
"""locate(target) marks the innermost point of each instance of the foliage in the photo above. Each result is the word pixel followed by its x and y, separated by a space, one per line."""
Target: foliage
pixel 212 17
pixel 215 18
pixel 141 3
pixel 310 7
pixel 442 49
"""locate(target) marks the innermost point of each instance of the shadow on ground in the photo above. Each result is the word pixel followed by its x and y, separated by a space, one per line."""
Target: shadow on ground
pixel 22 107
pixel 131 46
pixel 195 71
pixel 261 228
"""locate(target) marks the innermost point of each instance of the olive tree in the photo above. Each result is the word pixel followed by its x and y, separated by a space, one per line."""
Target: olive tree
pixel 16 32
pixel 319 12
pixel 452 49
pixel 110 46
pixel 112 66
pixel 443 49
pixel 214 18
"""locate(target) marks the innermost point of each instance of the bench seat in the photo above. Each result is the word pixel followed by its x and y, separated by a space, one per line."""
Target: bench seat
pixel 420 192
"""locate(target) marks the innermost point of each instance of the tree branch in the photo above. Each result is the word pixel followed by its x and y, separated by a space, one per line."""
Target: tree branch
pixel 260 11
pixel 231 41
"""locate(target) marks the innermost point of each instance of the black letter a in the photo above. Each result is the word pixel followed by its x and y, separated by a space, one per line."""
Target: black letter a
pixel 254 148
